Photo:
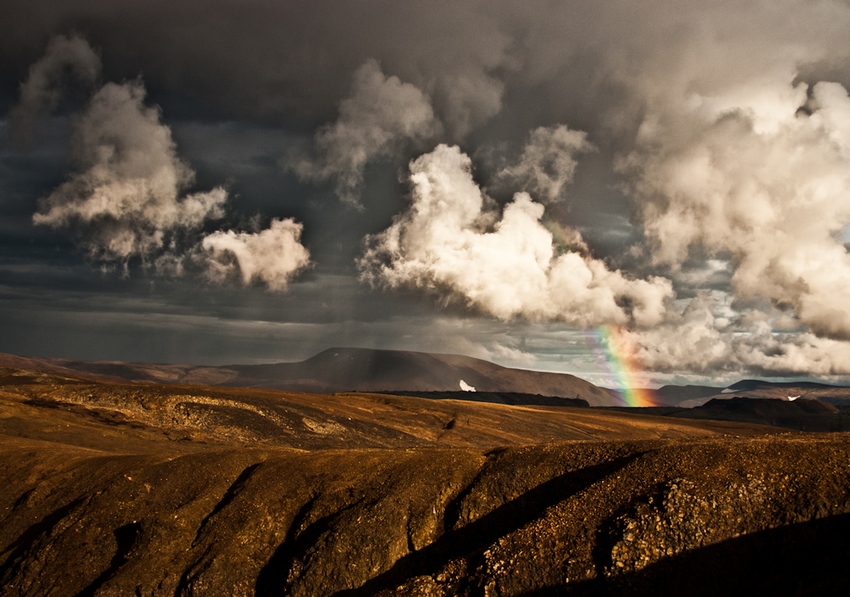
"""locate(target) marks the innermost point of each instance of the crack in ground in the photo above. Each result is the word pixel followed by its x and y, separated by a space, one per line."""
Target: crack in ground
pixel 235 489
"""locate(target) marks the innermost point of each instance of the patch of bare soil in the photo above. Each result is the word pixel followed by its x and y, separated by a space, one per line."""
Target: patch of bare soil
pixel 112 489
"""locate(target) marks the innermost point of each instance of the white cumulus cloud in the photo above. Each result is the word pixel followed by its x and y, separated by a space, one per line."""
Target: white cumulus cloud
pixel 272 256
pixel 704 339
pixel 126 199
pixel 760 172
pixel 453 242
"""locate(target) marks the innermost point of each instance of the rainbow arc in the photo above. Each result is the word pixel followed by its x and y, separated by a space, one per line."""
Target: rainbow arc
pixel 627 372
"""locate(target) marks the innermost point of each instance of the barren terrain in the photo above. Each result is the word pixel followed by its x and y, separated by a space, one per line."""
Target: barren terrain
pixel 339 370
pixel 121 489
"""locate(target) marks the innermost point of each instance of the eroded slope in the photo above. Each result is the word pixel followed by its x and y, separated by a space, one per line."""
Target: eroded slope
pixel 147 490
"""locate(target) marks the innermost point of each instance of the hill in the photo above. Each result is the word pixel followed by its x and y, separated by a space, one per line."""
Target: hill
pixel 426 374
pixel 340 370
pixel 149 489
pixel 802 414
pixel 693 396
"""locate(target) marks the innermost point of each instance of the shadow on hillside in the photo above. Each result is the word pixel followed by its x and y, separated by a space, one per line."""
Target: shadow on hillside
pixel 811 558
pixel 474 537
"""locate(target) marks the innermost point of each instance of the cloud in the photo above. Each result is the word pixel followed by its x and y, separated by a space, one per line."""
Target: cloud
pixel 272 256
pixel 728 120
pixel 467 100
pixel 69 62
pixel 760 173
pixel 290 62
pixel 129 196
pixel 453 242
pixel 375 121
pixel 705 339
pixel 126 200
pixel 547 162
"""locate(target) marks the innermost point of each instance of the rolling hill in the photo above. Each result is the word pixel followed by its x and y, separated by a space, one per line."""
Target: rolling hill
pixel 180 490
pixel 341 370
pixel 370 370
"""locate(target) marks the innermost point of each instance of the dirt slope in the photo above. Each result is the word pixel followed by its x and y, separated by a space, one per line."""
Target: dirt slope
pixel 112 489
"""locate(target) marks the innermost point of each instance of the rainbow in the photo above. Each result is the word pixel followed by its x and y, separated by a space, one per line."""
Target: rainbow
pixel 619 355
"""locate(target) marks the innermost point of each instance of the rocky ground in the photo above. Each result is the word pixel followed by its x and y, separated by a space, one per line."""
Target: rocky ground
pixel 133 489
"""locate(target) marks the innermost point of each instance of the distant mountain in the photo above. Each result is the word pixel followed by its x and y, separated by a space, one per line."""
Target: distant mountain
pixel 121 371
pixel 802 414
pixel 368 370
pixel 789 390
pixel 341 370
pixel 694 396
pixel 675 395
pixel 750 385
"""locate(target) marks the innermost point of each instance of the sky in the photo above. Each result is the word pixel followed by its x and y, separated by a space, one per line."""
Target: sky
pixel 535 183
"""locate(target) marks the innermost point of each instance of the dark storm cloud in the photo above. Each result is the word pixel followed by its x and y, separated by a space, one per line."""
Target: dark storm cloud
pixel 285 60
